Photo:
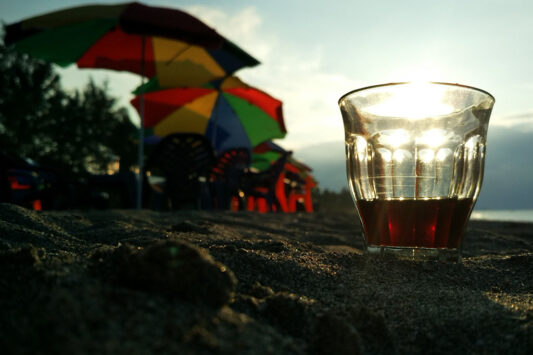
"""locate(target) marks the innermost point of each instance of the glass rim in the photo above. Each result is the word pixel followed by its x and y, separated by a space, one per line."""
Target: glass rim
pixel 412 82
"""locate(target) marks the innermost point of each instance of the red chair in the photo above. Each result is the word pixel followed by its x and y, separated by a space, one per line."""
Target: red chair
pixel 25 188
pixel 260 188
pixel 303 196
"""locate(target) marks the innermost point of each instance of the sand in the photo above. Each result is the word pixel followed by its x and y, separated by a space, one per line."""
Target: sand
pixel 196 282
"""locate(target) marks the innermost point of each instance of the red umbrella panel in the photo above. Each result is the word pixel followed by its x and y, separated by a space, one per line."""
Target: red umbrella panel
pixel 230 113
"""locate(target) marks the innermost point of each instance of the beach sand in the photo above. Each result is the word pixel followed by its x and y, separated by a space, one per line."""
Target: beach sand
pixel 195 282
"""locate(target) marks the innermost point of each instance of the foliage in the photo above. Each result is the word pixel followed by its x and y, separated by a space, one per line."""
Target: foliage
pixel 66 131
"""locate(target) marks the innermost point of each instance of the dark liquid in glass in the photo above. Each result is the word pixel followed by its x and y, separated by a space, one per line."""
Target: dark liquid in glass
pixel 415 223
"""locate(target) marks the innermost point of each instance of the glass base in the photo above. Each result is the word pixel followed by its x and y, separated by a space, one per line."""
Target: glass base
pixel 410 253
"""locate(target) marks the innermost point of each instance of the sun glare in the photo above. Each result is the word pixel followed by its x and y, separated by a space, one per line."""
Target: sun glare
pixel 393 138
pixel 433 138
pixel 414 100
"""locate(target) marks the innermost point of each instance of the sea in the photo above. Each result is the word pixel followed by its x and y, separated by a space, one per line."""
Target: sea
pixel 503 215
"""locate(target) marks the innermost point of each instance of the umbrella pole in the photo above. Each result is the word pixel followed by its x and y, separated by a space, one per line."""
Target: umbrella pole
pixel 141 133
pixel 215 122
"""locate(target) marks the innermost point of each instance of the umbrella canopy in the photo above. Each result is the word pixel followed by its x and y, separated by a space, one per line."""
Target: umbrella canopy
pixel 152 41
pixel 266 153
pixel 229 112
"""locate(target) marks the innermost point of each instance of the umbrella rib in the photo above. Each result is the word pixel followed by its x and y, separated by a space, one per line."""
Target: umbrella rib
pixel 216 117
pixel 178 53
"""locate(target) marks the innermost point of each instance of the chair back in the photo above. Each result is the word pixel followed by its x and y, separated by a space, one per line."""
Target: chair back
pixel 179 166
pixel 264 180
pixel 226 177
pixel 230 165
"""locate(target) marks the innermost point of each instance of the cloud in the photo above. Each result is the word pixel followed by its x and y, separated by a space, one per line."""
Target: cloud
pixel 309 95
pixel 293 74
pixel 243 28
pixel 522 119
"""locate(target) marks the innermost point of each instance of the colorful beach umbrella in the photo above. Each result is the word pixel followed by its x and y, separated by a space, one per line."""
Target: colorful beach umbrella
pixel 169 44
pixel 229 112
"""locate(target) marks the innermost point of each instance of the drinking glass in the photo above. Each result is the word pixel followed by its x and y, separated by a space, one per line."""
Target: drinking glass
pixel 414 159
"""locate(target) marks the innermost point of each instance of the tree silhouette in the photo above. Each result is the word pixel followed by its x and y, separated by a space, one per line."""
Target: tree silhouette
pixel 65 131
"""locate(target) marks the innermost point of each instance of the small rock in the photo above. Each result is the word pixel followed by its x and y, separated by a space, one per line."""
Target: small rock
pixel 101 253
pixel 283 308
pixel 260 291
pixel 176 269
pixel 373 328
pixel 333 334
pixel 28 255
pixel 274 247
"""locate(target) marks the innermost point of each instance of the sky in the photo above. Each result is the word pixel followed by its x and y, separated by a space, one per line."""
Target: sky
pixel 312 52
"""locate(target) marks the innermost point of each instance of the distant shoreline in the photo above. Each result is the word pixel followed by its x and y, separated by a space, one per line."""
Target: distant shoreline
pixel 518 215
